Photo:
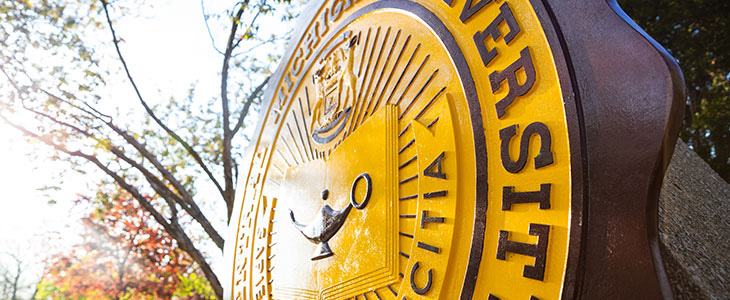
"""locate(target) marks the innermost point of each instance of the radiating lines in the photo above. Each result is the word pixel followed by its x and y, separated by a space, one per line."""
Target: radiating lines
pixel 425 107
pixel 380 78
pixel 408 179
pixel 306 129
pixel 365 47
pixel 362 55
pixel 301 136
pixel 372 92
pixel 384 76
pixel 406 146
pixel 415 98
pixel 360 104
pixel 367 77
pixel 408 162
pixel 392 71
pixel 433 122
pixel 405 235
pixel 303 148
pixel 291 152
pixel 397 82
pixel 294 140
pixel 306 94
pixel 286 161
pixel 372 78
pixel 410 82
pixel 410 197
pixel 367 67
pixel 421 112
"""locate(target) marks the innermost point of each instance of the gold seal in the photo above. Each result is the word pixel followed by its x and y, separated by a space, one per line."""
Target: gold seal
pixel 408 150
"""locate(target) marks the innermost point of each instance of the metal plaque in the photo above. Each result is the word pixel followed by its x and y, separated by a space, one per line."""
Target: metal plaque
pixel 458 149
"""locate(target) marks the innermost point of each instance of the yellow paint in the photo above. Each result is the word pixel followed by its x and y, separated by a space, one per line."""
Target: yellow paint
pixel 378 244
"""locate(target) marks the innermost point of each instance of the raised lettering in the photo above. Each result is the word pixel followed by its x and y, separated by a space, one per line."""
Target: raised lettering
pixel 510 74
pixel 425 219
pixel 493 297
pixel 509 197
pixel 324 24
pixel 468 11
pixel 544 158
pixel 429 171
pixel 336 10
pixel 427 287
pixel 437 194
pixel 538 251
pixel 428 247
pixel 492 30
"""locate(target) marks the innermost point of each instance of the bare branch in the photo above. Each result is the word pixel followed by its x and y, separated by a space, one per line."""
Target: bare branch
pixel 172 198
pixel 190 206
pixel 149 111
pixel 175 231
pixel 250 99
pixel 94 113
pixel 143 151
pixel 227 133
pixel 207 27
pixel 248 29
pixel 264 42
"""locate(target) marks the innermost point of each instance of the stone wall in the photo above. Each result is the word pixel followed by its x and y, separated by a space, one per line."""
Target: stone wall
pixel 694 227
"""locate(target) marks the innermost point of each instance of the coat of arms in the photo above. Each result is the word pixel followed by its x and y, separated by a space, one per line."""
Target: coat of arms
pixel 335 90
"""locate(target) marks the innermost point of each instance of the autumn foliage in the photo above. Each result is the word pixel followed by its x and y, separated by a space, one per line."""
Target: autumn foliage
pixel 123 254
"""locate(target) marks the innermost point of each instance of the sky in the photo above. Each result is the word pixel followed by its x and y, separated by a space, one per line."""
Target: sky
pixel 167 48
pixel 155 67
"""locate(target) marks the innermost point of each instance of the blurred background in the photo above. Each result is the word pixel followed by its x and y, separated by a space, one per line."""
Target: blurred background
pixel 122 124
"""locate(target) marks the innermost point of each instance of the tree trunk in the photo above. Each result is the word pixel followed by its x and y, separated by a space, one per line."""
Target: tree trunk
pixel 16 280
pixel 694 227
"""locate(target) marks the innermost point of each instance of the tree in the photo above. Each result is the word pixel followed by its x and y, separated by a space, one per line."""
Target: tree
pixel 697 34
pixel 19 274
pixel 123 255
pixel 10 283
pixel 157 159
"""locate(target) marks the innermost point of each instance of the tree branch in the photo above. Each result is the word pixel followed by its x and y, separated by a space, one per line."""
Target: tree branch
pixel 227 133
pixel 170 196
pixel 250 99
pixel 149 111
pixel 207 27
pixel 175 231
pixel 250 25
pixel 96 114
pixel 190 206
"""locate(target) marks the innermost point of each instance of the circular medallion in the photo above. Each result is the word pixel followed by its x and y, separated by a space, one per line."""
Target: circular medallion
pixel 409 151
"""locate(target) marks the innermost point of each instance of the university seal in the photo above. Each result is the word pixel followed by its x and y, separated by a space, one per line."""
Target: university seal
pixel 457 149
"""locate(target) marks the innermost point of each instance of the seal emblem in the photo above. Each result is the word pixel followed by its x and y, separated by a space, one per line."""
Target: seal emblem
pixel 402 103
pixel 328 222
pixel 451 128
pixel 334 80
